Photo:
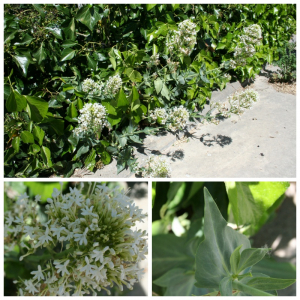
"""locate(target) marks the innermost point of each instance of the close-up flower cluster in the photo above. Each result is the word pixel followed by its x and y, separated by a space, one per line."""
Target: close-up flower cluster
pixel 174 118
pixel 155 167
pixel 113 84
pixel 92 119
pixel 91 87
pixel 154 61
pixel 90 239
pixel 239 102
pixel 248 42
pixel 183 39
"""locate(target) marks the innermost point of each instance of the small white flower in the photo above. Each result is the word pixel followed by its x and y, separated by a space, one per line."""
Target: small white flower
pixel 38 274
pixel 98 254
pixel 62 268
pixel 30 287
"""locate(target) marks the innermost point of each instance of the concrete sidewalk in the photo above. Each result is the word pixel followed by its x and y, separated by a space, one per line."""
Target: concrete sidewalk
pixel 259 144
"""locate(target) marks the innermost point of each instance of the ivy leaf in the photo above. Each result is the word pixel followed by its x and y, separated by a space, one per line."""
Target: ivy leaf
pixel 68 44
pixel 40 9
pixel 67 54
pixel 23 60
pixel 15 102
pixel 92 64
pixel 38 108
pixel 40 54
pixel 70 30
pixel 213 254
pixel 9 35
pixel 87 16
pixel 56 32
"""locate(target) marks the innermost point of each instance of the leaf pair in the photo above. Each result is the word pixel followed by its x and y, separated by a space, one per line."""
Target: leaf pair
pixel 225 258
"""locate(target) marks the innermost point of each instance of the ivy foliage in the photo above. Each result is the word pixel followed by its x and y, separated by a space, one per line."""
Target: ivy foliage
pixel 197 252
pixel 49 50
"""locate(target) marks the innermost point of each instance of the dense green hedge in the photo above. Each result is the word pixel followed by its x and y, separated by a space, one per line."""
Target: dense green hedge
pixel 49 50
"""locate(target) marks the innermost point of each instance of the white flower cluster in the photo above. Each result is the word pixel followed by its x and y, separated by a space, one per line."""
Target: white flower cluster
pixel 246 47
pixel 154 61
pixel 156 167
pixel 178 117
pixel 159 115
pixel 92 119
pixel 174 118
pixel 91 87
pixel 113 84
pixel 183 39
pixel 101 248
pixel 239 102
pixel 228 64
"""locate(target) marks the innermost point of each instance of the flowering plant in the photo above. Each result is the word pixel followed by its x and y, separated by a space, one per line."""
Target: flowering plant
pixel 89 240
pixel 203 230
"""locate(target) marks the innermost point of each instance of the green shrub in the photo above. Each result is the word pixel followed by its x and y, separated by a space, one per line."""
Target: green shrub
pixel 286 63
pixel 128 58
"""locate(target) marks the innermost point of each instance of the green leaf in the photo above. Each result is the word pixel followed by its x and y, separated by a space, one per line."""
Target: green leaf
pixel 40 54
pixel 67 54
pixel 133 75
pixel 250 257
pixel 213 254
pixel 275 269
pixel 252 202
pixel 150 6
pixel 87 16
pixel 105 157
pixel 82 150
pixel 268 284
pixel 178 282
pixel 56 32
pixel 9 35
pixel 40 9
pixel 46 155
pixel 248 290
pixel 38 108
pixel 38 134
pixel 44 189
pixel 16 143
pixel 158 85
pixel 235 259
pixel 165 92
pixel 72 111
pixel 27 137
pixel 121 99
pixel 34 149
pixel 92 64
pixel 70 30
pixel 69 43
pixel 226 286
pixel 15 102
pixel 113 62
pixel 23 60
pixel 164 257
